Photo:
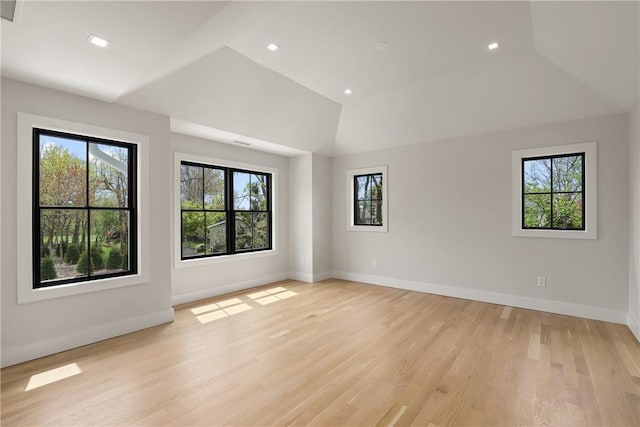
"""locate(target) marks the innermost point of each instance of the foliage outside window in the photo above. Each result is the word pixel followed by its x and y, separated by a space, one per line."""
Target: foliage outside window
pixel 553 192
pixel 368 199
pixel 223 210
pixel 84 208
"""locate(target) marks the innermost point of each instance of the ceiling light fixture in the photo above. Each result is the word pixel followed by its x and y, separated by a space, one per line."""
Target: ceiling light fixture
pixel 493 45
pixel 273 47
pixel 382 45
pixel 98 41
pixel 348 91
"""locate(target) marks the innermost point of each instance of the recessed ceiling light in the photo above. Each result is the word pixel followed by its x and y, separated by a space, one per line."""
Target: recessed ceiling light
pixel 493 45
pixel 273 47
pixel 98 41
pixel 382 45
pixel 348 91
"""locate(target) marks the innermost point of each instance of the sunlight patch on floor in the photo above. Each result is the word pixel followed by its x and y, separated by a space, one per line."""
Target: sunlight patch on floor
pixel 237 309
pixel 210 317
pixel 228 302
pixel 53 375
pixel 257 295
pixel 221 309
pixel 204 308
pixel 276 297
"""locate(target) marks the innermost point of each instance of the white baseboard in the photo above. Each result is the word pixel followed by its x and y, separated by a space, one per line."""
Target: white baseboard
pixel 558 307
pixel 19 354
pixel 319 277
pixel 302 277
pixel 634 325
pixel 225 289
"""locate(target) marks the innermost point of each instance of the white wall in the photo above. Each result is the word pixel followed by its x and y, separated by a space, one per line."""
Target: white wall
pixel 203 278
pixel 450 224
pixel 301 218
pixel 34 329
pixel 321 209
pixel 634 224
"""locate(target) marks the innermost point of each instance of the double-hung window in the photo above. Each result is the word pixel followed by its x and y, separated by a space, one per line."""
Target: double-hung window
pixel 367 198
pixel 223 210
pixel 84 208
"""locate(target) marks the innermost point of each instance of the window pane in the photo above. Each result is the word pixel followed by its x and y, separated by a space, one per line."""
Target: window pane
pixel 537 176
pixel 258 192
pixel 567 211
pixel 376 212
pixel 63 165
pixel 241 191
pixel 567 173
pixel 260 230
pixel 363 212
pixel 108 175
pixel 214 189
pixel 363 186
pixel 216 233
pixel 537 211
pixel 109 241
pixel 63 237
pixel 376 188
pixel 191 186
pixel 244 235
pixel 193 234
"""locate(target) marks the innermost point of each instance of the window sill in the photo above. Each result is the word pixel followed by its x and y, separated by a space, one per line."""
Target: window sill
pixel 556 234
pixel 375 229
pixel 41 294
pixel 201 262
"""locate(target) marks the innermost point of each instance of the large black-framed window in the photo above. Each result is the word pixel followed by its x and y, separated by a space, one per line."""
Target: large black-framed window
pixel 553 192
pixel 84 208
pixel 367 199
pixel 223 210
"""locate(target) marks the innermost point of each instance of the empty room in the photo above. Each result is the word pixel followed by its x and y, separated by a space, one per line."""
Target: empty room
pixel 327 213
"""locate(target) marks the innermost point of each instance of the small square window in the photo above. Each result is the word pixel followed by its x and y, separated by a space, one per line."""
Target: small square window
pixel 554 192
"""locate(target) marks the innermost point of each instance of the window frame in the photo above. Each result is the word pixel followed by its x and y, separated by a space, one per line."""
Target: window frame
pixel 352 199
pixel 24 247
pixel 589 190
pixel 551 191
pixel 356 200
pixel 132 206
pixel 199 261
pixel 229 211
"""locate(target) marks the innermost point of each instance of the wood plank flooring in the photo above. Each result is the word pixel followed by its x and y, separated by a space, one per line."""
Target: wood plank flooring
pixel 339 353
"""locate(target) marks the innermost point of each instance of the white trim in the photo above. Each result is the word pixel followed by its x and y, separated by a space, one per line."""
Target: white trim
pixel 301 277
pixel 385 197
pixel 26 293
pixel 19 354
pixel 558 307
pixel 225 289
pixel 324 275
pixel 591 193
pixel 175 200
pixel 634 326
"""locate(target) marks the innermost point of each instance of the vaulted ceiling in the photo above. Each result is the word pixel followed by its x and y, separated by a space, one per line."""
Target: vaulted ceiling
pixel 418 71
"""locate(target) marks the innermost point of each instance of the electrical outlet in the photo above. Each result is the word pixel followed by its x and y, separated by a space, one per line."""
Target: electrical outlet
pixel 301 260
pixel 376 263
pixel 542 282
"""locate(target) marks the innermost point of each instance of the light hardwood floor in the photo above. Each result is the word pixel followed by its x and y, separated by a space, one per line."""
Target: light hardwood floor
pixel 339 353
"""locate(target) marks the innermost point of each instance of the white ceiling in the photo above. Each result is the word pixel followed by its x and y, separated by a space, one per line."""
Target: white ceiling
pixel 205 64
